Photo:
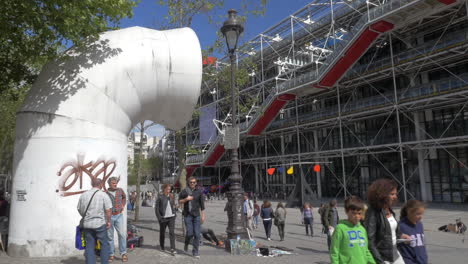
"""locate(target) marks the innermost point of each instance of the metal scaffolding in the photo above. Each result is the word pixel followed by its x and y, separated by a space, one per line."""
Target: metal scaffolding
pixel 369 88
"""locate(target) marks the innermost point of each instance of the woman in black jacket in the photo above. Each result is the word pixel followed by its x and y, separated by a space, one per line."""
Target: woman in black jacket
pixel 267 215
pixel 166 213
pixel 381 225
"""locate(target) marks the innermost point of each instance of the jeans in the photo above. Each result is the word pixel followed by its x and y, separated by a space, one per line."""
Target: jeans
pixel 281 230
pixel 162 231
pixel 192 224
pixel 117 223
pixel 267 225
pixel 255 221
pixel 91 235
pixel 308 223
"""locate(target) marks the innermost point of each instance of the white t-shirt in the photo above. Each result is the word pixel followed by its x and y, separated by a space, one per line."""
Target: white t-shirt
pixel 396 255
pixel 168 212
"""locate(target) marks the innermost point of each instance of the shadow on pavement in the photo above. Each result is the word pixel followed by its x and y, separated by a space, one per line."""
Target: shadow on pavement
pixel 313 250
pixel 72 260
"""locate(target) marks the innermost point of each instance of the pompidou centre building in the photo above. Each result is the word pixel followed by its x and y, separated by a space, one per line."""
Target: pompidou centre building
pixel 338 94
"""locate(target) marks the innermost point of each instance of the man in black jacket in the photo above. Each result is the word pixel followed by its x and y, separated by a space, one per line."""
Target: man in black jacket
pixel 193 201
pixel 331 220
pixel 166 214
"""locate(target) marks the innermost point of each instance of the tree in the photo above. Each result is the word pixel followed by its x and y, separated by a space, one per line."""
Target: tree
pixel 141 127
pixel 10 102
pixel 181 14
pixel 33 32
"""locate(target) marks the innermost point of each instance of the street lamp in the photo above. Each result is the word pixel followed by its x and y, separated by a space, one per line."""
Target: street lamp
pixel 232 28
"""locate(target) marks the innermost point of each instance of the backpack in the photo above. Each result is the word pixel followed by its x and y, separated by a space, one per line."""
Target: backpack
pixel 256 210
pixel 324 215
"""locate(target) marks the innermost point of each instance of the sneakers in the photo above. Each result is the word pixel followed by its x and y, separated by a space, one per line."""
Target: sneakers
pixel 269 239
pixel 196 256
pixel 173 252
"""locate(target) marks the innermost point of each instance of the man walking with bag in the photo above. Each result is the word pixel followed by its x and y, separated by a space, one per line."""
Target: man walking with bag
pixel 95 207
pixel 248 210
pixel 119 200
pixel 193 201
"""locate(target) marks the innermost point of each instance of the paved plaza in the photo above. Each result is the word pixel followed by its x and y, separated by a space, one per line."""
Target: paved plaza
pixel 442 247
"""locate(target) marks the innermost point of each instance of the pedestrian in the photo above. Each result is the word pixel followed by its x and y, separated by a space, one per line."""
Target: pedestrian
pixel 381 226
pixel 119 200
pixel 166 214
pixel 308 219
pixel 267 214
pixel 413 252
pixel 133 200
pixel 322 211
pixel 96 209
pixel 331 219
pixel 248 210
pixel 280 219
pixel 349 241
pixel 256 214
pixel 193 201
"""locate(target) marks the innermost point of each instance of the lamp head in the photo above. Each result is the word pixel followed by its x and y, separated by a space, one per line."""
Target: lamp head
pixel 231 29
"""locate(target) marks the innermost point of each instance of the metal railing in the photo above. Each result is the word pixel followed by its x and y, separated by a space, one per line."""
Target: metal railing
pixel 341 46
pixel 303 79
pixel 413 93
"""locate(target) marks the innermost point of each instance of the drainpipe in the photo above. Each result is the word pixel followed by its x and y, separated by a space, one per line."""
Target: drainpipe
pixel 74 124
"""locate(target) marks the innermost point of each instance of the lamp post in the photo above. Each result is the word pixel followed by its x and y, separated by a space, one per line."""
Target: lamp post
pixel 232 28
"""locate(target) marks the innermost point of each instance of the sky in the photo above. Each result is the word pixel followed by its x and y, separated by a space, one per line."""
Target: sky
pixel 149 14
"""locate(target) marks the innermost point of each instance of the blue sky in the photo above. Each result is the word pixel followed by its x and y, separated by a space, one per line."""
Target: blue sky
pixel 148 14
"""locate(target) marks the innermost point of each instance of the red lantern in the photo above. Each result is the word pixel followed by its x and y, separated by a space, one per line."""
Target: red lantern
pixel 317 168
pixel 270 171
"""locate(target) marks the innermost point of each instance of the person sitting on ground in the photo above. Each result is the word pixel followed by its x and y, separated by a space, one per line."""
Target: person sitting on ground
pixel 209 235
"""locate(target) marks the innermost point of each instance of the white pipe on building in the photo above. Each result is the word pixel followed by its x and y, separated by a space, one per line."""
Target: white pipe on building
pixel 75 121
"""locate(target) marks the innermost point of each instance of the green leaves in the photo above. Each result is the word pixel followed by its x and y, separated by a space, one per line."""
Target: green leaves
pixel 31 32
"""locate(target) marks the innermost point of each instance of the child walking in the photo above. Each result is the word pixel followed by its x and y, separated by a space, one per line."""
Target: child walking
pixel 308 219
pixel 349 240
pixel 413 252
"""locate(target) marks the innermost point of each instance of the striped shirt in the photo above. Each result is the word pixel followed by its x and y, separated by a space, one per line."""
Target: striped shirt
pixel 95 216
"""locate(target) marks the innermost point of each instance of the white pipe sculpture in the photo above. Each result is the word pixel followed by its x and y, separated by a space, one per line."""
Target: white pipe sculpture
pixel 75 121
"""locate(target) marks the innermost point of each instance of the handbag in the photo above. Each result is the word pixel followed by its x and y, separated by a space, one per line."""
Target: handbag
pixel 80 242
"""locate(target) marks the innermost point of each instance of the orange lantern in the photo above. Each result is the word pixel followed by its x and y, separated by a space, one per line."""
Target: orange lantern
pixel 317 168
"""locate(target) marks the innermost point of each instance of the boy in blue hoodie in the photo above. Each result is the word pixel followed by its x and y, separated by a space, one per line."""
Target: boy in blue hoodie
pixel 413 252
pixel 349 241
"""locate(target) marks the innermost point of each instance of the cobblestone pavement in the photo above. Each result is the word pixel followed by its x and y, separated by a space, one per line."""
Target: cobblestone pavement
pixel 442 247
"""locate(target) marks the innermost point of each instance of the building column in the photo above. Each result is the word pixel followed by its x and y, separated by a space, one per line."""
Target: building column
pixel 257 187
pixel 283 176
pixel 424 179
pixel 319 174
pixel 363 159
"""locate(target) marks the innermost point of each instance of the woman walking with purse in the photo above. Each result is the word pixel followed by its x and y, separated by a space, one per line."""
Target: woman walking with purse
pixel 382 227
pixel 280 219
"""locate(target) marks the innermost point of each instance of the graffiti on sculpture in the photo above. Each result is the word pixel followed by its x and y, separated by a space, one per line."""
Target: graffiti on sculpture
pixel 74 173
